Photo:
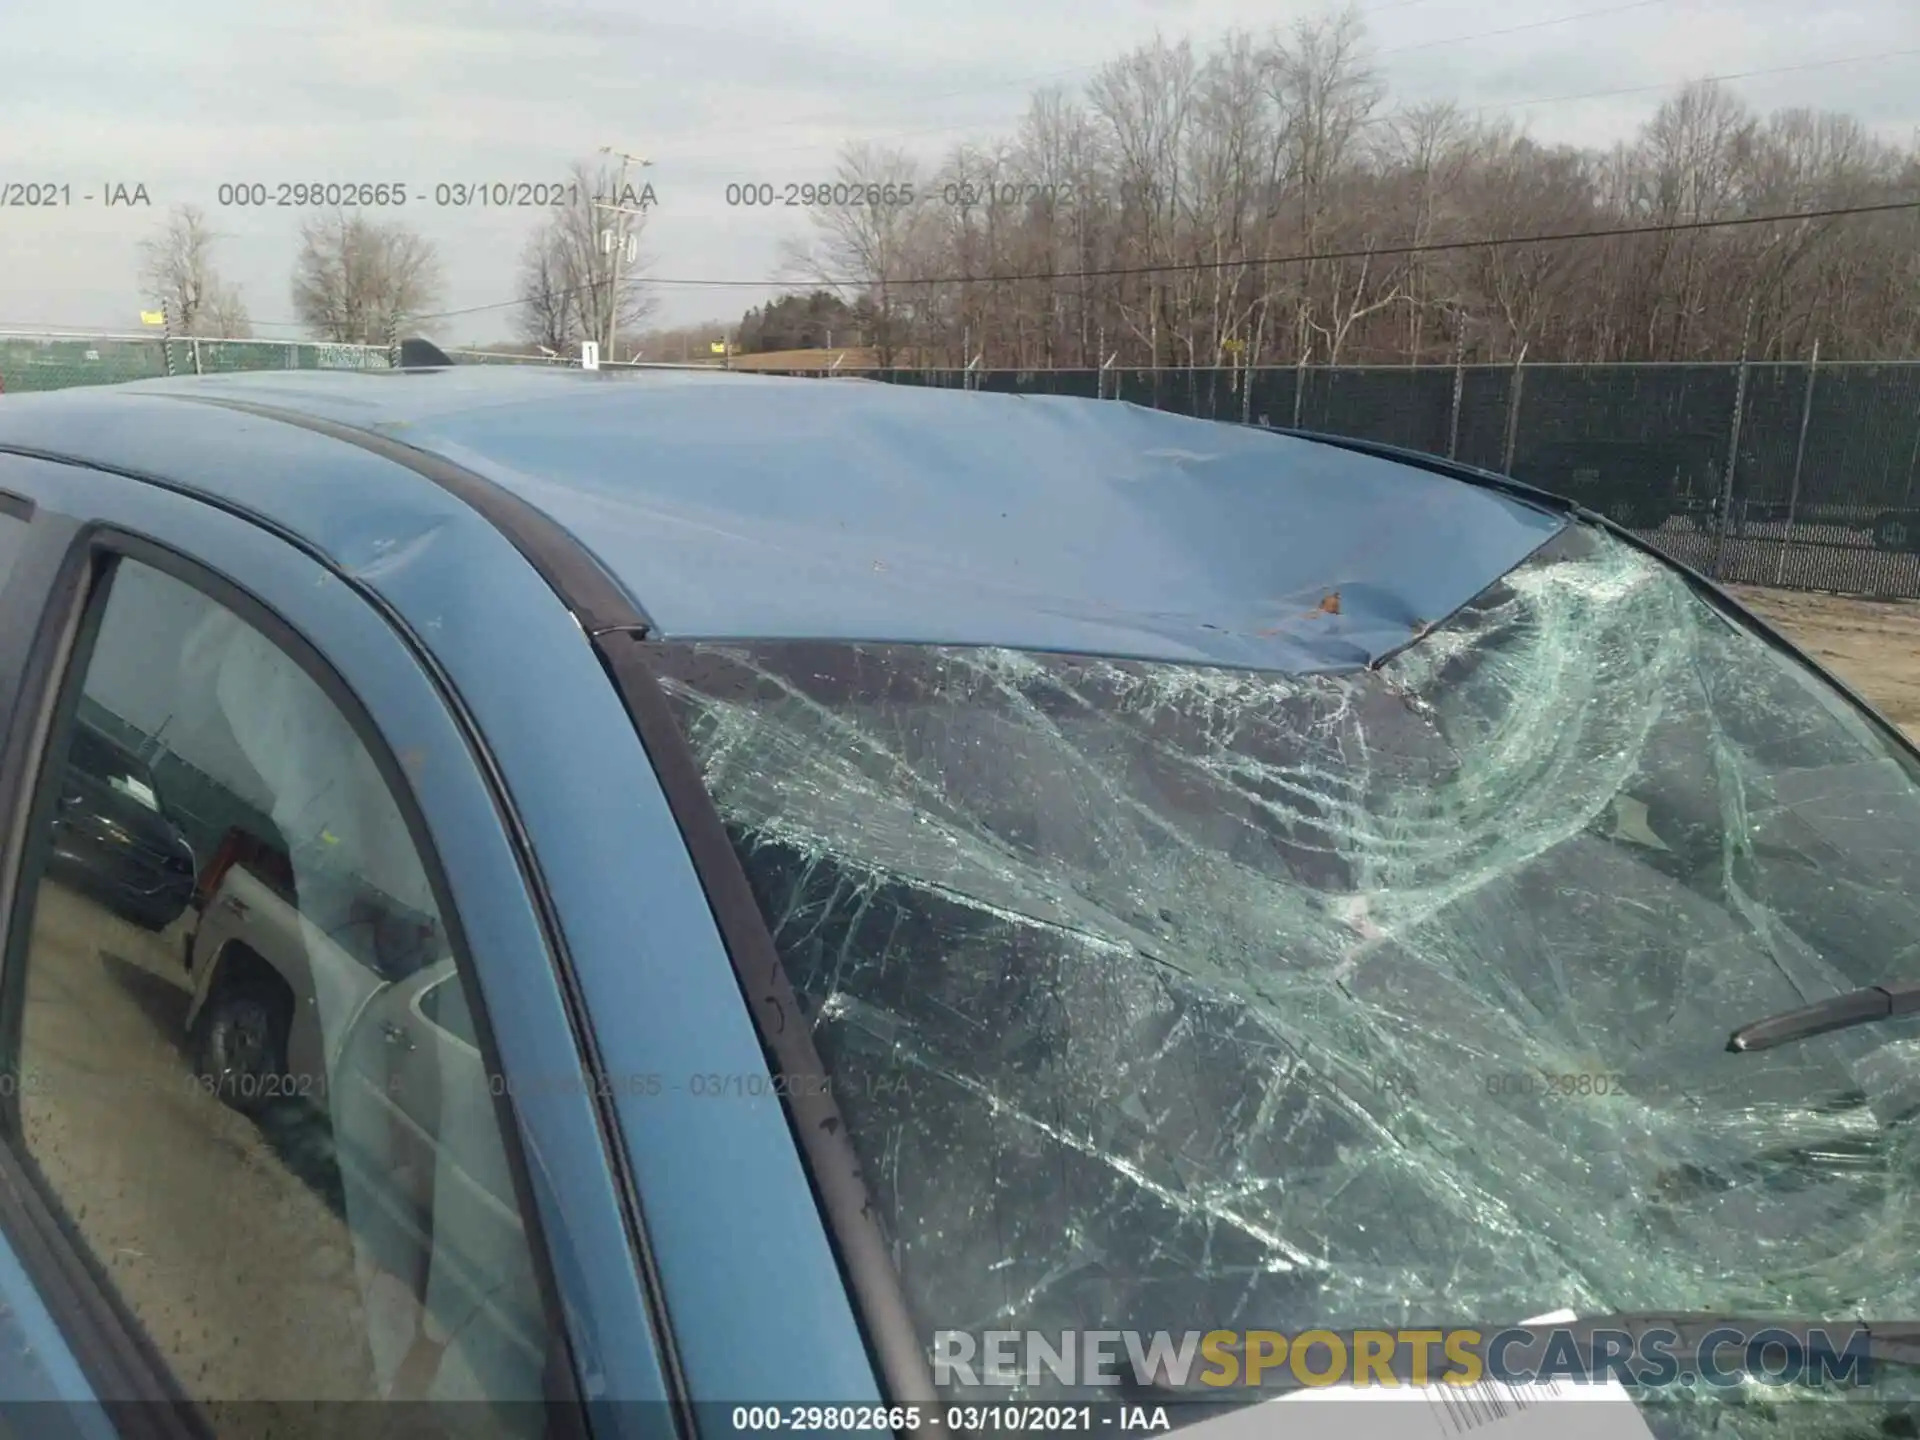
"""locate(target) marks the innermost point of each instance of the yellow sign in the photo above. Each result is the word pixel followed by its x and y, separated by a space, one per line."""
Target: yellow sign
pixel 719 347
pixel 153 317
pixel 1233 347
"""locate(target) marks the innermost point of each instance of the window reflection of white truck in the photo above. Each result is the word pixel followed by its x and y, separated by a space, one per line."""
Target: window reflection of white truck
pixel 364 1031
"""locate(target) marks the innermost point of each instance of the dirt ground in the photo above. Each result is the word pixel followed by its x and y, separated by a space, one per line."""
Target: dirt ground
pixel 1874 645
pixel 228 1238
pixel 205 1231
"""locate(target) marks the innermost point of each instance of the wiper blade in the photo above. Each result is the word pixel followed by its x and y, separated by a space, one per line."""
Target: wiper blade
pixel 1842 1012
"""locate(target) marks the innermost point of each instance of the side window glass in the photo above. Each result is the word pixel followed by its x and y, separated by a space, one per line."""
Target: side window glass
pixel 229 1085
pixel 13 543
pixel 445 1004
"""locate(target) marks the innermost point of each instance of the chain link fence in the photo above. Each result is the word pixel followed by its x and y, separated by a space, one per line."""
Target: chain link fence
pixel 1801 476
pixel 55 362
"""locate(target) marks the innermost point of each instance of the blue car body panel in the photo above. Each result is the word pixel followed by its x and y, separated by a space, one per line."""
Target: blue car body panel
pixel 863 511
pixel 728 505
pixel 759 1310
pixel 43 1392
pixel 606 1310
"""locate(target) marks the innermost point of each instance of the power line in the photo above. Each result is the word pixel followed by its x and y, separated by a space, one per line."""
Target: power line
pixel 1429 247
pixel 1516 29
pixel 1503 105
pixel 1181 267
pixel 1671 84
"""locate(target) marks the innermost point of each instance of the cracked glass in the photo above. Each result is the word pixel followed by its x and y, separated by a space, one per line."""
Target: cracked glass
pixel 1161 997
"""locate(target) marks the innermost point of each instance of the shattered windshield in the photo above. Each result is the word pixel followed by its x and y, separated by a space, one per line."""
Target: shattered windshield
pixel 1177 998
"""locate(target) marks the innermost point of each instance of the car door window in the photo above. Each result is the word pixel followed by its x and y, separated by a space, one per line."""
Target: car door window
pixel 13 539
pixel 296 1185
pixel 444 1005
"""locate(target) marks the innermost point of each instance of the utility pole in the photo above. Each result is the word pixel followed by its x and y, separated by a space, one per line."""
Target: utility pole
pixel 614 240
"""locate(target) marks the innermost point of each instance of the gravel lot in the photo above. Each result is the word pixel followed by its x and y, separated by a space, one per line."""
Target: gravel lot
pixel 1874 645
pixel 201 1224
pixel 225 1237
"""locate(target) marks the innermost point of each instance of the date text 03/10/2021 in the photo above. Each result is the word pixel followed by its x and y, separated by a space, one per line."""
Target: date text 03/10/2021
pixel 966 1418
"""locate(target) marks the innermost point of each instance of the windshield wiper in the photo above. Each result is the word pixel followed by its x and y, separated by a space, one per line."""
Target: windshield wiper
pixel 1842 1012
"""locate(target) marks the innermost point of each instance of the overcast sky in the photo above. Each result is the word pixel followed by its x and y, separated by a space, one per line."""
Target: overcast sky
pixel 183 96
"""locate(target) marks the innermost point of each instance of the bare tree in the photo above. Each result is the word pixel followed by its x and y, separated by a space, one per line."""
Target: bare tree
pixel 1175 177
pixel 549 313
pixel 177 270
pixel 1430 152
pixel 567 272
pixel 1147 100
pixel 355 279
pixel 869 242
pixel 226 314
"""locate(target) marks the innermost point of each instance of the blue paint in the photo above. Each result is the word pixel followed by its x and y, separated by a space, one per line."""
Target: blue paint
pixel 848 510
pixel 757 1306
pixel 734 505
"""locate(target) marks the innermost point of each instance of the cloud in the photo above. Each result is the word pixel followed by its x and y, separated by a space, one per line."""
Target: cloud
pixel 218 91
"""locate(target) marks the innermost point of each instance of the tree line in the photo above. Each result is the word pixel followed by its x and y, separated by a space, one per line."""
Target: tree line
pixel 1260 202
pixel 1286 145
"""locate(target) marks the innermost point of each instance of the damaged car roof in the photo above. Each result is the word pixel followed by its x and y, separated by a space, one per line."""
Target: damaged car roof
pixel 730 505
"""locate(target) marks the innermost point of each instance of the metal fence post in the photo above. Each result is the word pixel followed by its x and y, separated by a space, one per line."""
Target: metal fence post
pixel 1299 386
pixel 1913 469
pixel 166 337
pixel 393 341
pixel 1514 389
pixel 1733 445
pixel 1459 393
pixel 1799 461
pixel 194 345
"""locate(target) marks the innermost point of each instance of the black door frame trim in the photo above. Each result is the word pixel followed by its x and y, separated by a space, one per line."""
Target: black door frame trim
pixel 565 972
pixel 95 552
pixel 59 574
pixel 613 622
pixel 104 1333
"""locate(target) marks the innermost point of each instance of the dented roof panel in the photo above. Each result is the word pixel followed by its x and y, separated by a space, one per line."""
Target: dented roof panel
pixel 731 505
